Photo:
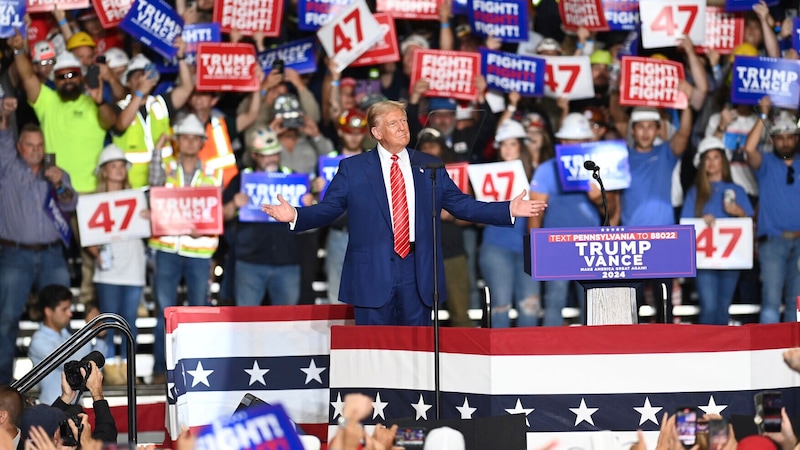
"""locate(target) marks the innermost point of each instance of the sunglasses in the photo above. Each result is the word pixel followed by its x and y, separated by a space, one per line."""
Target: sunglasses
pixel 67 76
pixel 790 175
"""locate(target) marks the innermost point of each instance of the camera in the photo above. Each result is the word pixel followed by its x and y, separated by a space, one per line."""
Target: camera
pixel 72 370
pixel 768 411
pixel 69 440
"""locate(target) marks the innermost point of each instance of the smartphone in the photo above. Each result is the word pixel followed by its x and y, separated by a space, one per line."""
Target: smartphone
pixel 49 160
pixel 768 410
pixel 410 437
pixel 93 76
pixel 100 59
pixel 729 196
pixel 150 71
pixel 717 434
pixel 686 422
pixel 278 65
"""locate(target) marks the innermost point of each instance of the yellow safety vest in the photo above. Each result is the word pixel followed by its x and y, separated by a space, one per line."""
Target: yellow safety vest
pixel 139 139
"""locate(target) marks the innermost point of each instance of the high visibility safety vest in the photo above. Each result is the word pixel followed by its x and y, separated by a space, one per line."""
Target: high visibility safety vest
pixel 203 246
pixel 139 139
pixel 217 152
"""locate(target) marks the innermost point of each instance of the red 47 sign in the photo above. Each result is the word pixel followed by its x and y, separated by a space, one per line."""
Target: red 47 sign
pixel 458 173
pixel 350 33
pixel 112 217
pixel 568 76
pixel 726 245
pixel 666 21
pixel 497 182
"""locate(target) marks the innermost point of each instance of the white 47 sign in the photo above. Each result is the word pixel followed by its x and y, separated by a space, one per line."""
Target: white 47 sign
pixel 350 33
pixel 726 245
pixel 568 76
pixel 665 21
pixel 500 181
pixel 112 217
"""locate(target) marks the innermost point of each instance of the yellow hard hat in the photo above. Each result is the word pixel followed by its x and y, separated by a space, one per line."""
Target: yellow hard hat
pixel 660 56
pixel 744 49
pixel 80 39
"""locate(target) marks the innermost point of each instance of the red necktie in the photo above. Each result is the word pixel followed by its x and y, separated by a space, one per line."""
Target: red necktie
pixel 402 238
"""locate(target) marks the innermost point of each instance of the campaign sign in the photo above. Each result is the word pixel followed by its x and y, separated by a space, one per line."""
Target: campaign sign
pixel 745 5
pixel 328 166
pixel 610 156
pixel 410 9
pixel 155 24
pixel 507 72
pixel 111 12
pixel 195 33
pixel 499 181
pixel 249 16
pixel 178 211
pixel 583 13
pixel 449 73
pixel 612 253
pixel 350 34
pixel 35 6
pixel 460 7
pixel 796 33
pixel 299 55
pixel 112 217
pixel 651 82
pixel 459 174
pixel 666 21
pixel 756 76
pixel 257 427
pixel 568 76
pixel 226 67
pixel 264 187
pixel 313 14
pixel 728 244
pixel 734 141
pixel 630 46
pixel 385 50
pixel 11 14
pixel 724 31
pixel 622 15
pixel 503 19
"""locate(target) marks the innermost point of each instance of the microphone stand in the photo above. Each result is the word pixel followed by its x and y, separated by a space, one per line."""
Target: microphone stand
pixel 596 176
pixel 436 384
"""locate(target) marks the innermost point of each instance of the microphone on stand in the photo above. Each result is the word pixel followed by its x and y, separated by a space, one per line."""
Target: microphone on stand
pixel 590 165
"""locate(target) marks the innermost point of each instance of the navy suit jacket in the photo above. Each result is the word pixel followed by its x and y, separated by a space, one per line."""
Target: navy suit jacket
pixel 358 188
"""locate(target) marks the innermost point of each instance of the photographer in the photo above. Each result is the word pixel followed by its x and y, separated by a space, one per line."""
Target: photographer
pixel 55 302
pixel 105 428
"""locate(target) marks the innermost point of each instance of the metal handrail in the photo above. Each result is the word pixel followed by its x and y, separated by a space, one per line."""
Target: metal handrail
pixel 75 342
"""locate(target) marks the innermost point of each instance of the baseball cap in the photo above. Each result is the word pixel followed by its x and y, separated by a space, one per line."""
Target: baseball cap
pixel 45 416
pixel 437 103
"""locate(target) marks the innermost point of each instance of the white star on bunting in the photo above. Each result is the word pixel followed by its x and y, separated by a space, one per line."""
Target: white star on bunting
pixel 256 374
pixel 583 413
pixel 712 407
pixel 465 410
pixel 338 406
pixel 378 406
pixel 313 372
pixel 648 412
pixel 421 408
pixel 200 375
pixel 518 409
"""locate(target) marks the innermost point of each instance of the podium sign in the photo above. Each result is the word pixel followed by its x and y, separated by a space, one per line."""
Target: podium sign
pixel 613 253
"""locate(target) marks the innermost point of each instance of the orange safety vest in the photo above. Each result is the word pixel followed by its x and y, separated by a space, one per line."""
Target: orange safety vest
pixel 217 152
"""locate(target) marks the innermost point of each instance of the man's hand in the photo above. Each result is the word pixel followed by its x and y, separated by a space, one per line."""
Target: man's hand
pixel 240 199
pixel 785 438
pixel 39 440
pixel 16 42
pixel 95 382
pixel 282 212
pixel 384 436
pixel 792 358
pixel 520 207
pixel 67 394
pixel 54 175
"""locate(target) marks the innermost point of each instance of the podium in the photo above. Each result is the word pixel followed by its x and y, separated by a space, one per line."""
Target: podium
pixel 611 262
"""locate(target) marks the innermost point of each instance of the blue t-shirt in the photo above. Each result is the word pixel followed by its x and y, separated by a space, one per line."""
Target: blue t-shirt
pixel 715 203
pixel 779 201
pixel 509 238
pixel 564 209
pixel 648 200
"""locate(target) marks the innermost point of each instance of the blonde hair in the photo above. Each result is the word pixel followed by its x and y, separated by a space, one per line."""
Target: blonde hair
pixel 102 181
pixel 380 109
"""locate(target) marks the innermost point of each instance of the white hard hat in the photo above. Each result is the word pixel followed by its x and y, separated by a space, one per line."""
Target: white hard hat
pixel 645 114
pixel 110 153
pixel 509 129
pixel 66 60
pixel 138 62
pixel 190 125
pixel 116 57
pixel 43 51
pixel 575 127
pixel 710 143
pixel 784 123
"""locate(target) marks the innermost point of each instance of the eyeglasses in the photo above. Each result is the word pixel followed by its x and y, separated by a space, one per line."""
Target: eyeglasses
pixel 67 76
pixel 789 175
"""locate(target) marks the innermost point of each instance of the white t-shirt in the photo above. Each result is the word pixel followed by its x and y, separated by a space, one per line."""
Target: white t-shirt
pixel 127 264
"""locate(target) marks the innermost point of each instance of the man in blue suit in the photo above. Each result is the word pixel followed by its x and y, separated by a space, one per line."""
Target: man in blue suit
pixel 388 267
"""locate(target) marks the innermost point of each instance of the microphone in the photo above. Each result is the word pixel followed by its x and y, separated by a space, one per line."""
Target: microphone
pixel 590 165
pixel 434 166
